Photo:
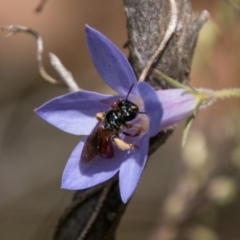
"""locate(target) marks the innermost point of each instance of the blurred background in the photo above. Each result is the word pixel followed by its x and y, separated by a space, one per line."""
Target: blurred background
pixel 186 193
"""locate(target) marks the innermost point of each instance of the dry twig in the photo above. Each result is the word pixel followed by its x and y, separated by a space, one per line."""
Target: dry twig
pixel 40 6
pixel 12 29
pixel 66 76
pixel 64 73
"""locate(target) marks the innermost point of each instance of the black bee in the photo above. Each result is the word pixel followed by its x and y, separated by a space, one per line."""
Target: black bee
pixel 103 137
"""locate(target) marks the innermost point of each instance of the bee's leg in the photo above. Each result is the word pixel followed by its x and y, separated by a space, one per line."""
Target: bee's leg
pixel 115 104
pixel 128 125
pixel 100 116
pixel 136 134
pixel 123 145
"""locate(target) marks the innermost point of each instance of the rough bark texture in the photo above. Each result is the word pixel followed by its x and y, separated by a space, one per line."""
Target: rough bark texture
pixel 147 23
pixel 95 213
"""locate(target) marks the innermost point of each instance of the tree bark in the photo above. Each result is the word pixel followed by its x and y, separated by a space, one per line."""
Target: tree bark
pixel 95 213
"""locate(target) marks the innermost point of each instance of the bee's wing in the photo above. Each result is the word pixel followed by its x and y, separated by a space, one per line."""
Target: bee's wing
pixel 106 149
pixel 90 148
pixel 98 142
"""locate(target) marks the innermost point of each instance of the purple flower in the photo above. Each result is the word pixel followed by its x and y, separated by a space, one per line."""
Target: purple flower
pixel 177 104
pixel 75 113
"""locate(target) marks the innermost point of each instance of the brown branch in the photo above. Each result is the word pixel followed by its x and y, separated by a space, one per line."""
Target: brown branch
pixel 170 30
pixel 147 23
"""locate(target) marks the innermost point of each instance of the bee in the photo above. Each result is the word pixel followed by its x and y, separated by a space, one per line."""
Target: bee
pixel 106 133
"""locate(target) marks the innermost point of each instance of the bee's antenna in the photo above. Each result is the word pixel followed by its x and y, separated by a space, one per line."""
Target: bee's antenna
pixel 142 113
pixel 129 91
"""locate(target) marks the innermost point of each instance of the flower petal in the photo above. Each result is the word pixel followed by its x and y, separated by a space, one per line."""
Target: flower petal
pixel 152 107
pixel 75 112
pixel 109 61
pixel 178 104
pixel 80 175
pixel 131 169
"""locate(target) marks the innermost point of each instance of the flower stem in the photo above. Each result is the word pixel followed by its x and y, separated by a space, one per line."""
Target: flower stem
pixel 170 80
pixel 227 93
